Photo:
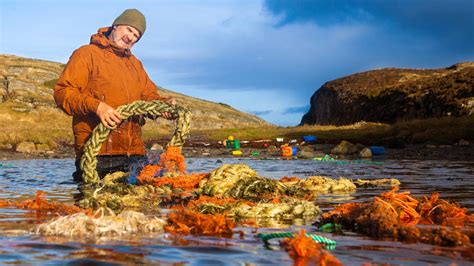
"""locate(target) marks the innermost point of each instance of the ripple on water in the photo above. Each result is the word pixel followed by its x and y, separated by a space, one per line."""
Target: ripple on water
pixel 20 180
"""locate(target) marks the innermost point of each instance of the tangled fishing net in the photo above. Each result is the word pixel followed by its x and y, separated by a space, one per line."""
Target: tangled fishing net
pixel 305 251
pixel 111 225
pixel 400 216
pixel 41 205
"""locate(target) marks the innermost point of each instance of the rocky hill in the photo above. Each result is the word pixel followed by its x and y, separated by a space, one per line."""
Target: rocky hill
pixel 390 95
pixel 28 84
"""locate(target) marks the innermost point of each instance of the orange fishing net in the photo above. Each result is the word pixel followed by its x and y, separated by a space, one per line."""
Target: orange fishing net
pixel 305 251
pixel 395 215
pixel 172 160
pixel 289 179
pixel 184 182
pixel 185 221
pixel 434 210
pixel 40 204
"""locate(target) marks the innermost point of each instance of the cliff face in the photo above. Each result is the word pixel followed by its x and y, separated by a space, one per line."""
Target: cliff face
pixel 28 83
pixel 389 95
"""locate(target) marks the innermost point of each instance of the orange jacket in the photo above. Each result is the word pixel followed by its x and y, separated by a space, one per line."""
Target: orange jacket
pixel 103 72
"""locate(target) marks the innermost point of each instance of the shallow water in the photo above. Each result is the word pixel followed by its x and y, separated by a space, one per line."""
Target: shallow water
pixel 21 179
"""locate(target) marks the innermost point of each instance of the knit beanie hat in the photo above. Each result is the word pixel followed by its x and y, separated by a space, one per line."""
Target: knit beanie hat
pixel 132 17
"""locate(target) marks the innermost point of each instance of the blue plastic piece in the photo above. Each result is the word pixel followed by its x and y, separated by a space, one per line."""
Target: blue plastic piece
pixel 294 151
pixel 309 138
pixel 377 150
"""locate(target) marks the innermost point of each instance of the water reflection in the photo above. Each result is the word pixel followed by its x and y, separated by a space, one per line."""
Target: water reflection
pixel 20 180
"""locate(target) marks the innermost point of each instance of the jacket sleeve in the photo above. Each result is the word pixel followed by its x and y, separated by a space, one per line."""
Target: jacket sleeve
pixel 69 91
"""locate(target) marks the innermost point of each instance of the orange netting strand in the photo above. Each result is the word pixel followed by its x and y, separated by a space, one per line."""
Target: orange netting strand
pixel 434 210
pixel 289 179
pixel 395 216
pixel 403 204
pixel 148 173
pixel 172 160
pixel 185 182
pixel 40 204
pixel 305 251
pixel 185 221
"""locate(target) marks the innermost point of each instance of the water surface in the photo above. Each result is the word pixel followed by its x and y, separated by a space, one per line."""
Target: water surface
pixel 21 179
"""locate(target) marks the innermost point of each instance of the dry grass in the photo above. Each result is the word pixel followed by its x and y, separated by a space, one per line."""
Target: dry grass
pixel 50 126
pixel 41 125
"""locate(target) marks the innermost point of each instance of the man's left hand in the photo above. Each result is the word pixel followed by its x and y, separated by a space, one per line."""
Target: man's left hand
pixel 170 101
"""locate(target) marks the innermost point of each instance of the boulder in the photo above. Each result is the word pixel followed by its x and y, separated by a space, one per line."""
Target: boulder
pixel 273 150
pixel 41 147
pixel 6 146
pixel 345 148
pixel 365 153
pixel 306 152
pixel 26 147
pixel 156 147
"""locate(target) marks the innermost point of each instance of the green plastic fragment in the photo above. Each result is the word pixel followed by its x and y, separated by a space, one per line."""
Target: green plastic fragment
pixel 329 243
pixel 330 227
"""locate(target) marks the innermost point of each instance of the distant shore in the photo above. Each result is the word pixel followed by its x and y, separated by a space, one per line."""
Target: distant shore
pixel 214 150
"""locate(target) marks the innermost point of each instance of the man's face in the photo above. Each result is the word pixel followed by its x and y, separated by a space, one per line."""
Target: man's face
pixel 124 36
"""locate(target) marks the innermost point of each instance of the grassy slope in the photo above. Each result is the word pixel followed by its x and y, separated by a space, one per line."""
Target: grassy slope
pixel 46 124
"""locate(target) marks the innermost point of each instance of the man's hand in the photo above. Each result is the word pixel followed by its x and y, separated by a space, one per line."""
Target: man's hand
pixel 108 115
pixel 170 101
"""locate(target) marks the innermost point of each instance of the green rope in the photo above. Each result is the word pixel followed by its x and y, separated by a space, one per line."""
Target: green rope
pixel 329 243
pixel 101 133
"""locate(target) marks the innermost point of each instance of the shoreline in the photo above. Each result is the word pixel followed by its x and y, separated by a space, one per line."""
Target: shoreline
pixel 207 150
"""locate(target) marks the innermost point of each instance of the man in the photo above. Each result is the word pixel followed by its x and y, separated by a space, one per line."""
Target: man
pixel 98 78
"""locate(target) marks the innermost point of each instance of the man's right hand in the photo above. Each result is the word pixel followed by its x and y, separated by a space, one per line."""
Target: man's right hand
pixel 108 115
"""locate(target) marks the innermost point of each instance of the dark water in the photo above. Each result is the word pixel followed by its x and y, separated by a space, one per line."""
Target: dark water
pixel 21 179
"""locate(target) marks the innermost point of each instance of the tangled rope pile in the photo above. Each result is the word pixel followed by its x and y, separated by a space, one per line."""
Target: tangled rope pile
pixel 155 108
pixel 111 225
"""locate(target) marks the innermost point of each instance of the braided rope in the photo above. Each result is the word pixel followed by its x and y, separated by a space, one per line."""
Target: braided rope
pixel 100 132
pixel 329 243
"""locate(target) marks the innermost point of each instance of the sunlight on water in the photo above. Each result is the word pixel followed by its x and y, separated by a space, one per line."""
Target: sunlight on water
pixel 21 179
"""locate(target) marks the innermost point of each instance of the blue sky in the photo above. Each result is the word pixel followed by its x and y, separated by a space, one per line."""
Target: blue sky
pixel 261 57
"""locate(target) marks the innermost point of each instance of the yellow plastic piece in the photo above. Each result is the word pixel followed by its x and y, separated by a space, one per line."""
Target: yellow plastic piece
pixel 236 152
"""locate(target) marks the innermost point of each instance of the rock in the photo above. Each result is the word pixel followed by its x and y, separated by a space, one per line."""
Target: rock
pixel 445 146
pixel 306 154
pixel 41 147
pixel 6 146
pixel 430 146
pixel 360 146
pixel 463 142
pixel 365 153
pixel 156 147
pixel 345 148
pixel 393 94
pixel 272 149
pixel 26 147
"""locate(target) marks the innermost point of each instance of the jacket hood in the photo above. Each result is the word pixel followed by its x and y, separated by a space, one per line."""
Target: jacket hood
pixel 100 39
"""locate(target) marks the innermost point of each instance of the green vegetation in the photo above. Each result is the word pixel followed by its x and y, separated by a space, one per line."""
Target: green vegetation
pixel 39 125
